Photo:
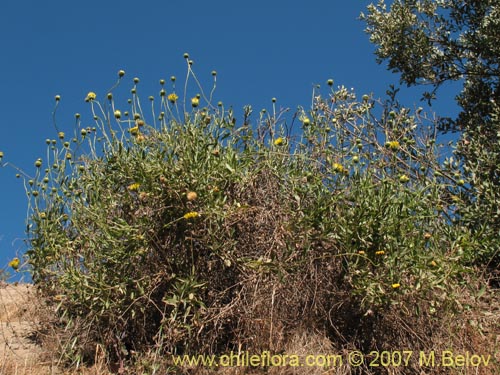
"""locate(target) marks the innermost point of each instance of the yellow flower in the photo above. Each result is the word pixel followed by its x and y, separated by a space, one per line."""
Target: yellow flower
pixel 395 286
pixel 278 141
pixel 140 138
pixel 172 98
pixel 361 252
pixel 380 252
pixel 1 154
pixel 14 263
pixel 433 264
pixel 305 120
pixel 337 167
pixel 134 130
pixel 133 187
pixel 60 135
pixel 393 145
pixel 404 178
pixel 195 102
pixel 90 96
pixel 191 215
pixel 118 114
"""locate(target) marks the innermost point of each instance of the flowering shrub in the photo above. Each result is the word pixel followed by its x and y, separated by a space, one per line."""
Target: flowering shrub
pixel 151 232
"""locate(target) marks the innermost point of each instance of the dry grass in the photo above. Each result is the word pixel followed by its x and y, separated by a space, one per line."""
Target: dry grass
pixel 20 352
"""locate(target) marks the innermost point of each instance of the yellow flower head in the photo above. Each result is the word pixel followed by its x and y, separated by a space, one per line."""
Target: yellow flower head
pixel 380 252
pixel 134 130
pixel 61 135
pixel 135 186
pixel 1 154
pixel 191 215
pixel 404 179
pixel 395 286
pixel 337 167
pixel 118 114
pixel 195 102
pixel 14 263
pixel 90 96
pixel 172 98
pixel 393 145
pixel 305 120
pixel 361 252
pixel 279 141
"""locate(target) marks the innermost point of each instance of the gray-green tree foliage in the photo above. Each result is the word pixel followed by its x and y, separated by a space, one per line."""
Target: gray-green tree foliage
pixel 430 42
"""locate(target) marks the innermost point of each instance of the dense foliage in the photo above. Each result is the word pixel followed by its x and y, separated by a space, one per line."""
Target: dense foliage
pixel 431 42
pixel 183 232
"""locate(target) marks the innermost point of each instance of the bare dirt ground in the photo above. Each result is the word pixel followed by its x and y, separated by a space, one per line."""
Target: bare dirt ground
pixel 20 349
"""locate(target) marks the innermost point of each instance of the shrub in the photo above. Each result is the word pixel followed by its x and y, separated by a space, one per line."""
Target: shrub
pixel 195 231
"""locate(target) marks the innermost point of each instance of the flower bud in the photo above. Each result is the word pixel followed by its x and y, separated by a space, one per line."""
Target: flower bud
pixel 191 196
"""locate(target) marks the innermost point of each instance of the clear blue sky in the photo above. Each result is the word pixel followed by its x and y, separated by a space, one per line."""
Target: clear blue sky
pixel 260 49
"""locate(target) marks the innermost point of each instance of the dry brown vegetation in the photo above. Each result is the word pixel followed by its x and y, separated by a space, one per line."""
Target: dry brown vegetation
pixel 28 344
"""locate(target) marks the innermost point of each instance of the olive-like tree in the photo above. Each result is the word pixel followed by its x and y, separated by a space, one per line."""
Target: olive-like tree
pixel 430 42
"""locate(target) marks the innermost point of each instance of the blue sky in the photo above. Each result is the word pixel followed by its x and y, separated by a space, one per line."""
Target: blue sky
pixel 260 49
